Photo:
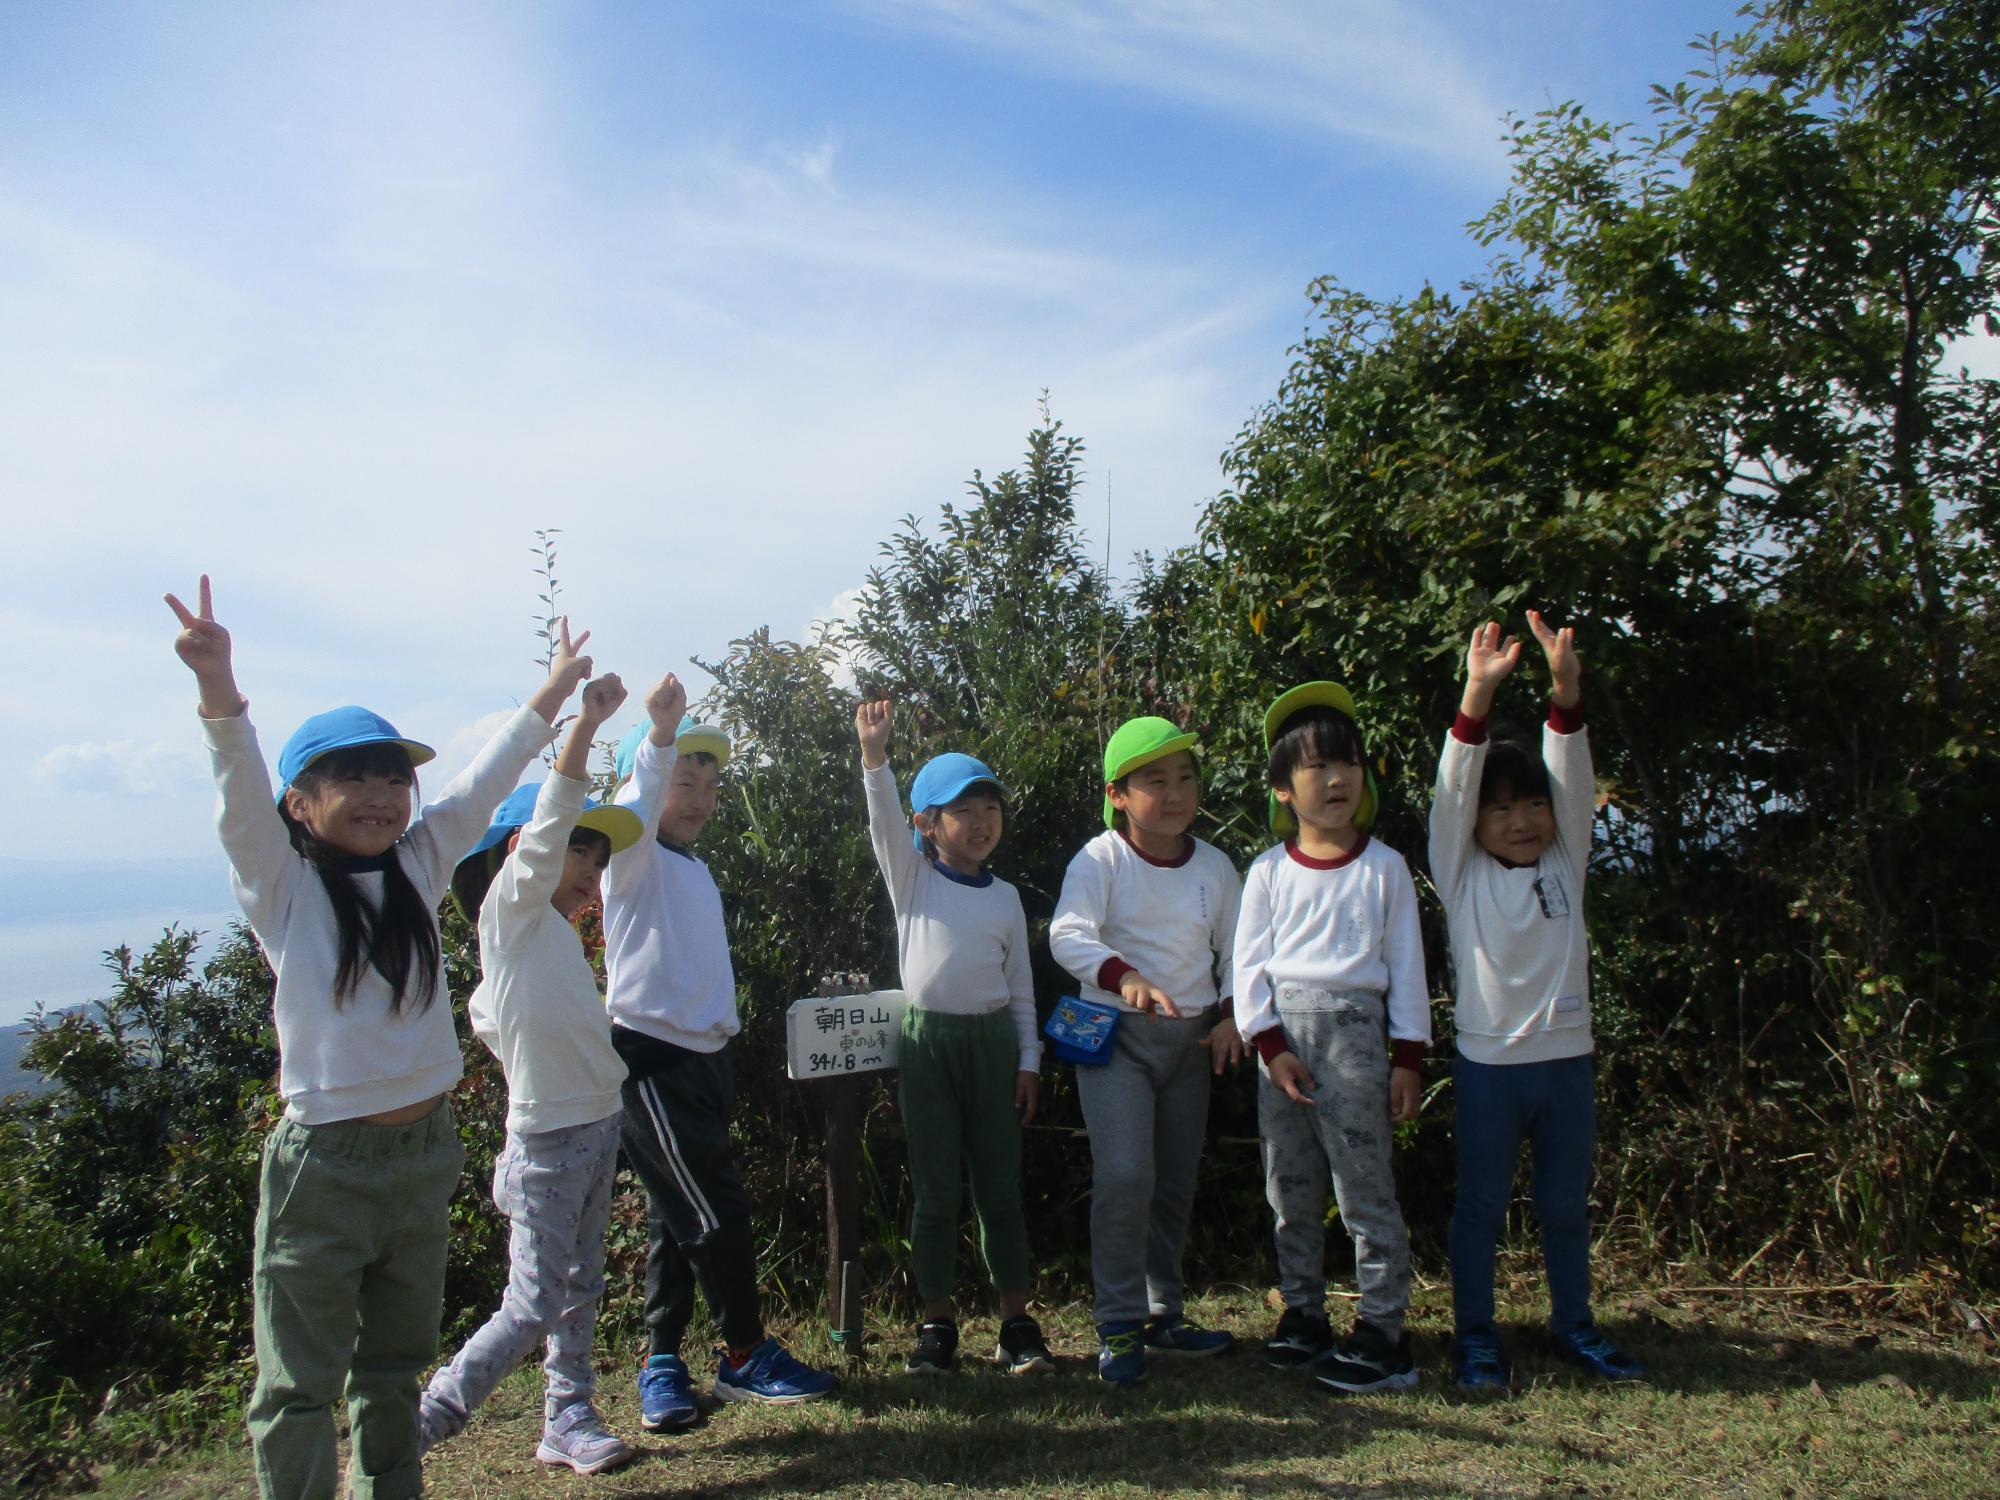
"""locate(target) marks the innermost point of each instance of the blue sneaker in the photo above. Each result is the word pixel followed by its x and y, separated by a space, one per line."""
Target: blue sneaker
pixel 666 1397
pixel 1176 1335
pixel 1589 1348
pixel 1478 1364
pixel 771 1374
pixel 1121 1352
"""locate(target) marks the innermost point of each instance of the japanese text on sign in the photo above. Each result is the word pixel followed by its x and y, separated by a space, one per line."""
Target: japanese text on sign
pixel 847 1034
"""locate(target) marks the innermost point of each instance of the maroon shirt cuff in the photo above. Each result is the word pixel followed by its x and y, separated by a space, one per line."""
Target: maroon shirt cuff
pixel 1407 1052
pixel 1566 720
pixel 1468 730
pixel 1270 1043
pixel 1111 972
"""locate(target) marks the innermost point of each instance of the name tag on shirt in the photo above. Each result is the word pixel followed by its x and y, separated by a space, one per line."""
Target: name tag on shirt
pixel 1549 890
pixel 1568 1002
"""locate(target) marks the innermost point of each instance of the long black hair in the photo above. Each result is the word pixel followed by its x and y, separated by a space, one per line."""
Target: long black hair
pixel 398 939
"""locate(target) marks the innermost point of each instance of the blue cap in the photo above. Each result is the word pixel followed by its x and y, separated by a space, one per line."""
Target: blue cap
pixel 619 824
pixel 340 729
pixel 692 736
pixel 945 778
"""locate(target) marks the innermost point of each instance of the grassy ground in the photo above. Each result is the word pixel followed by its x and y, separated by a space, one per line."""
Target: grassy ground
pixel 1787 1396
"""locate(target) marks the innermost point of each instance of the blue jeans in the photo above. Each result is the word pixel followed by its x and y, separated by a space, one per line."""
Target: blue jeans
pixel 1552 1106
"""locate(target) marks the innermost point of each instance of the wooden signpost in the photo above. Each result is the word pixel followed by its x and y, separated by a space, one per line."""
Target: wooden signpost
pixel 834 1041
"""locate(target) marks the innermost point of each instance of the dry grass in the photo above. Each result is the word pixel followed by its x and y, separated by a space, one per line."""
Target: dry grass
pixel 1786 1396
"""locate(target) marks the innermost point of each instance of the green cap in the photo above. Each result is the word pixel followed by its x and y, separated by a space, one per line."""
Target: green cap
pixel 1140 742
pixel 1314 695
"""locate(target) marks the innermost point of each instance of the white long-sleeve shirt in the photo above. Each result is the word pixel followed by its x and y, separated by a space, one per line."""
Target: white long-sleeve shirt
pixel 1343 924
pixel 961 940
pixel 339 1062
pixel 1520 952
pixel 537 1008
pixel 1174 921
pixel 666 943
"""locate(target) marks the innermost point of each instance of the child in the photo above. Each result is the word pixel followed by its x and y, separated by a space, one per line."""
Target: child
pixel 1328 959
pixel 967 1078
pixel 341 887
pixel 1510 843
pixel 537 1008
pixel 1146 912
pixel 672 996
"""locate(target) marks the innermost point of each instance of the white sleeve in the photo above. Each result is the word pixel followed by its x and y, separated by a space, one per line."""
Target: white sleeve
pixel 1409 1000
pixel 1021 990
pixel 263 866
pixel 1454 812
pixel 645 792
pixel 1572 794
pixel 450 826
pixel 889 831
pixel 1256 1004
pixel 1222 934
pixel 521 893
pixel 1074 940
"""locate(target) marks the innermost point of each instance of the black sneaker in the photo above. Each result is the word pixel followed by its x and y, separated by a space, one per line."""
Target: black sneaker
pixel 1021 1350
pixel 937 1348
pixel 1300 1336
pixel 1367 1360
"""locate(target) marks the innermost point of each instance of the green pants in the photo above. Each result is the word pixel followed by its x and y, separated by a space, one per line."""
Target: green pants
pixel 349 1284
pixel 955 1080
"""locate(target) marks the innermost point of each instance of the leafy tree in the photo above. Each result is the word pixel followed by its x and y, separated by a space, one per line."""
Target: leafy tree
pixel 1704 405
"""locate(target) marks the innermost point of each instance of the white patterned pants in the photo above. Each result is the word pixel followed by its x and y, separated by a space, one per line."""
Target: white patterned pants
pixel 555 1187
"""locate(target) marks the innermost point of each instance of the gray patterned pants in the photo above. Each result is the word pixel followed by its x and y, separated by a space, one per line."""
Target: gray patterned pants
pixel 555 1185
pixel 1342 1038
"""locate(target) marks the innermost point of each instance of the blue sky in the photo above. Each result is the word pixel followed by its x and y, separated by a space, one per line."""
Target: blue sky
pixel 341 303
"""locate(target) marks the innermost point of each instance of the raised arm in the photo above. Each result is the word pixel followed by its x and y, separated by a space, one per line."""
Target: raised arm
pixel 253 832
pixel 645 792
pixel 1455 797
pixel 1566 744
pixel 527 881
pixel 888 832
pixel 203 645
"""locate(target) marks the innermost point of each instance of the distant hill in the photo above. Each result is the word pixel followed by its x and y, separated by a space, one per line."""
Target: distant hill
pixel 14 1079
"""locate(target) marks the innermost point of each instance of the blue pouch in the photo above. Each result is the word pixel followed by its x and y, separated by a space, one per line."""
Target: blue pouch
pixel 1080 1031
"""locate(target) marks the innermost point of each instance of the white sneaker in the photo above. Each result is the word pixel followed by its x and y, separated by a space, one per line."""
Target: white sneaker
pixel 575 1437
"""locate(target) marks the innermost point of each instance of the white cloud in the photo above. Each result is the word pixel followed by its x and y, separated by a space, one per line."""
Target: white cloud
pixel 842 611
pixel 1377 70
pixel 140 769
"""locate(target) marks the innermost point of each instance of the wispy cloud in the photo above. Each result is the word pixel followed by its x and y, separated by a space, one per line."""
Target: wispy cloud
pixel 120 769
pixel 1375 70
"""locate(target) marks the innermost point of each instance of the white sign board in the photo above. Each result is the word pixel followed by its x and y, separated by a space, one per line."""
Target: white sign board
pixel 844 1034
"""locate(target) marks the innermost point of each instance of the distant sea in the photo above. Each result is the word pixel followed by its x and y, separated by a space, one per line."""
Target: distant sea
pixel 58 919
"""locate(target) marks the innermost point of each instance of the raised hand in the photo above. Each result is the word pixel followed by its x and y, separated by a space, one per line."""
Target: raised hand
pixel 204 646
pixel 567 667
pixel 872 722
pixel 567 660
pixel 1488 660
pixel 601 698
pixel 1565 670
pixel 666 702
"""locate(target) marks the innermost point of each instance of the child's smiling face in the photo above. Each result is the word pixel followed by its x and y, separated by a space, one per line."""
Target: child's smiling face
pixel 1515 829
pixel 360 815
pixel 1325 792
pixel 966 830
pixel 691 798
pixel 1161 798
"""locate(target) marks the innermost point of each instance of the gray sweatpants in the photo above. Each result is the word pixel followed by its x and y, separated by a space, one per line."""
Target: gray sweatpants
pixel 1342 1038
pixel 555 1187
pixel 1147 1113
